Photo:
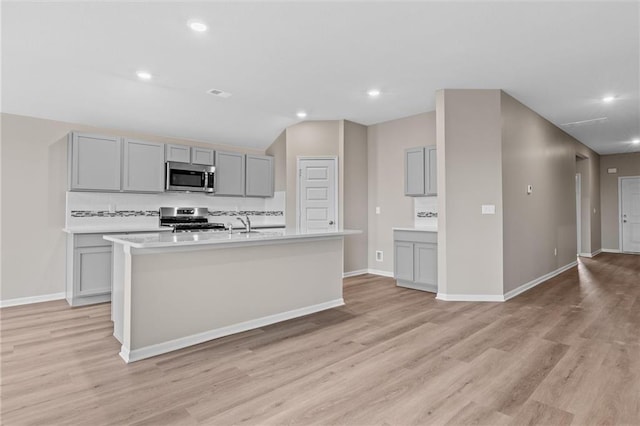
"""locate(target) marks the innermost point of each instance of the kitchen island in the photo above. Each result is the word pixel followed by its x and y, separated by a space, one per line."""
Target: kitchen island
pixel 173 290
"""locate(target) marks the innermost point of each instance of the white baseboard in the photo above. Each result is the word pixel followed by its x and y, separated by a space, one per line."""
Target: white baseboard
pixel 470 297
pixel 381 273
pixel 354 273
pixel 604 250
pixel 183 342
pixel 32 299
pixel 509 295
pixel 590 255
pixel 526 286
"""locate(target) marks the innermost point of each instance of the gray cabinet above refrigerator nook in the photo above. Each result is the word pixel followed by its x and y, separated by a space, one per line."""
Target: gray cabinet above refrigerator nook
pixel 420 171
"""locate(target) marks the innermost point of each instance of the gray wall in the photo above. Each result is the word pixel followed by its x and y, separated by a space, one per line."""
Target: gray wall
pixel 470 259
pixel 627 165
pixel 355 195
pixel 536 152
pixel 582 168
pixel 33 255
pixel 386 143
pixel 279 151
pixel 309 138
pixel 337 138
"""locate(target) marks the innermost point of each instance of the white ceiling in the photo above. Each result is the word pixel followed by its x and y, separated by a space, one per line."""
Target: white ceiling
pixel 76 62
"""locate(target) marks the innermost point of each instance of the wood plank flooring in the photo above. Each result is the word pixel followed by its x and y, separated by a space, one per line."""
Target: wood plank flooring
pixel 566 352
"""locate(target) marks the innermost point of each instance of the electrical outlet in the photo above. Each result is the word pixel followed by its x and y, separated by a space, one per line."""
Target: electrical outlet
pixel 377 210
pixel 379 256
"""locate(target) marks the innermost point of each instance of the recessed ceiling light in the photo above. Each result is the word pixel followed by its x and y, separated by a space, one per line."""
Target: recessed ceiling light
pixel 198 26
pixel 301 114
pixel 635 141
pixel 373 93
pixel 608 99
pixel 144 75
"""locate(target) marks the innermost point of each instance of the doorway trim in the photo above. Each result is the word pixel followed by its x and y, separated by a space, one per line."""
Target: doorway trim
pixel 333 158
pixel 620 236
pixel 579 213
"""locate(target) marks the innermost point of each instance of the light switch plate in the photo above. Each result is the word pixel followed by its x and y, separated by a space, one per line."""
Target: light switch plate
pixel 529 189
pixel 377 210
pixel 488 209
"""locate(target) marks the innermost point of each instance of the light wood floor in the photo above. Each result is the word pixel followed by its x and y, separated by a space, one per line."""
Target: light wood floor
pixel 566 352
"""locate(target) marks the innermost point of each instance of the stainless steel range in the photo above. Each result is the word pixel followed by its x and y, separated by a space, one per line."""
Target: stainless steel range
pixel 188 219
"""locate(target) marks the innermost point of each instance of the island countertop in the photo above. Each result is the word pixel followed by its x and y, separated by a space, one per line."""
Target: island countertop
pixel 161 240
pixel 423 228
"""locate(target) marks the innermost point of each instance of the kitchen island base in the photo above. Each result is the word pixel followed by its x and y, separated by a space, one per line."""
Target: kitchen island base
pixel 167 299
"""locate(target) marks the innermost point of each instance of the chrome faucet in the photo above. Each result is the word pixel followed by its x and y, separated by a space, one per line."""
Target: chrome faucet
pixel 247 224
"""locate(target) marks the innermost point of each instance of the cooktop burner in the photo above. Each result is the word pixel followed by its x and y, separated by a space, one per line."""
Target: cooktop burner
pixel 188 219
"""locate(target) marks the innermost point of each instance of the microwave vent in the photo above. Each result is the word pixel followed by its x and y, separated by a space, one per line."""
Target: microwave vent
pixel 219 93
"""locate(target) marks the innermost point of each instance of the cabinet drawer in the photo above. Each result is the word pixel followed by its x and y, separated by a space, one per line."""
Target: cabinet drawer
pixel 416 236
pixel 91 240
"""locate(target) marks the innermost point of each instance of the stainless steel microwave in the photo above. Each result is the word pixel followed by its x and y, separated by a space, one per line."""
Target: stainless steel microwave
pixel 190 177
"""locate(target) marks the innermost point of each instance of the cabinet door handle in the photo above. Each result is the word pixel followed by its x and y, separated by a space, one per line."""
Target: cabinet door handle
pixel 330 222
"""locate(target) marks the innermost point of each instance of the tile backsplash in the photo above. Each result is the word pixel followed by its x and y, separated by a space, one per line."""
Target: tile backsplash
pixel 118 209
pixel 425 211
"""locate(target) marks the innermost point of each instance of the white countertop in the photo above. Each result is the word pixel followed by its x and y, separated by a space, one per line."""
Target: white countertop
pixel 418 229
pixel 185 239
pixel 102 229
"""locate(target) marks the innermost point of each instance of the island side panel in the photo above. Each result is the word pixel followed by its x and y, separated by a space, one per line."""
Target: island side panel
pixel 178 295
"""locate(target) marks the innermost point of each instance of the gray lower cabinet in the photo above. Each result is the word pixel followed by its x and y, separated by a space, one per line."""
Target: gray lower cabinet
pixel 259 176
pixel 94 162
pixel 416 260
pixel 179 153
pixel 89 268
pixel 230 173
pixel 143 166
pixel 89 264
pixel 420 168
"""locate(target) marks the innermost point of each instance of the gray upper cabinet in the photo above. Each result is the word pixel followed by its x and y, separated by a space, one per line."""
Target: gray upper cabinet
pixel 230 173
pixel 260 175
pixel 431 174
pixel 202 156
pixel 420 168
pixel 143 166
pixel 414 171
pixel 94 162
pixel 179 153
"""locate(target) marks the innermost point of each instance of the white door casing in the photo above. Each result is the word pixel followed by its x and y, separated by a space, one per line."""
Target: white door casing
pixel 630 214
pixel 579 212
pixel 317 193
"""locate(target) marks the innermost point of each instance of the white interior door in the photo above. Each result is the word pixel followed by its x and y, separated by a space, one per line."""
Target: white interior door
pixel 630 214
pixel 317 205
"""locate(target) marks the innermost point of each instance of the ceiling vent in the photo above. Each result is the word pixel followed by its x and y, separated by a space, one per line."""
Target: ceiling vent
pixel 219 93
